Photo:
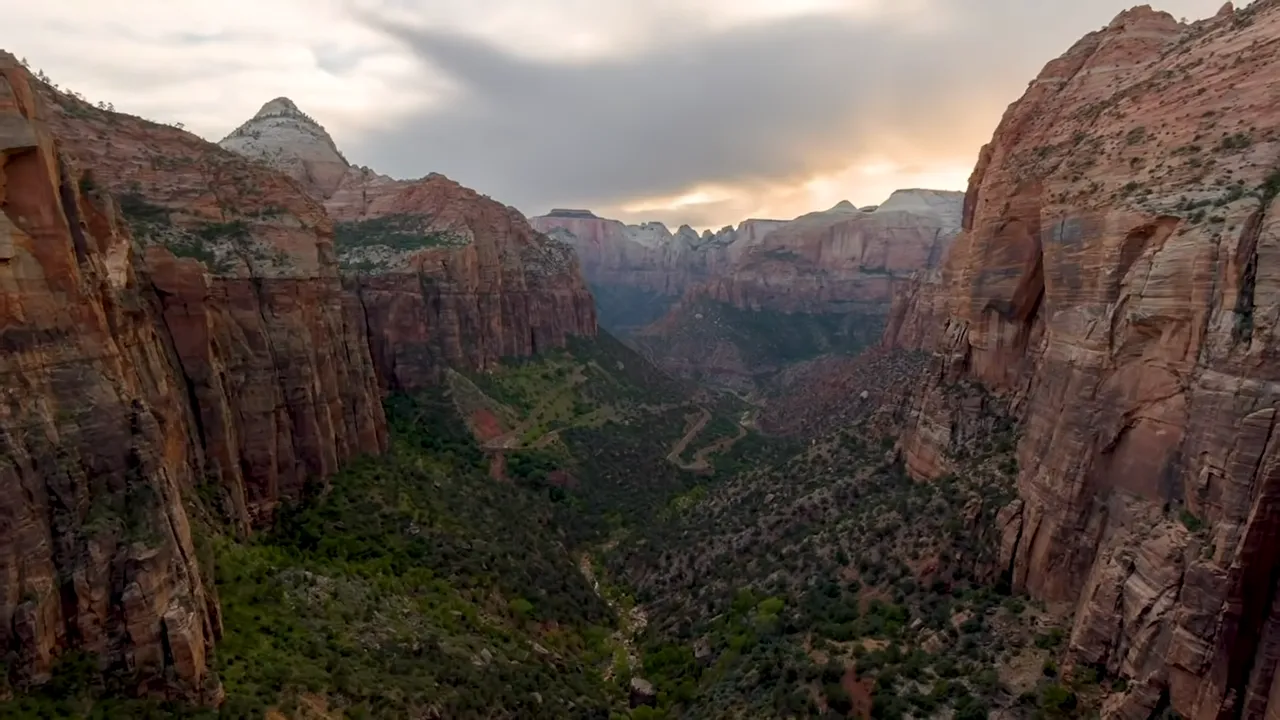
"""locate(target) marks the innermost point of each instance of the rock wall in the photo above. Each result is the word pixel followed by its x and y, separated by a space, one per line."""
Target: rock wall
pixel 178 341
pixel 649 257
pixel 441 274
pixel 1116 283
pixel 820 284
pixel 96 458
pixel 273 354
pixel 504 291
pixel 843 259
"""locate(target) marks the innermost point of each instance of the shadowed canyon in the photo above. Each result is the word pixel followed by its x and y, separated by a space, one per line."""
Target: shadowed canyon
pixel 283 437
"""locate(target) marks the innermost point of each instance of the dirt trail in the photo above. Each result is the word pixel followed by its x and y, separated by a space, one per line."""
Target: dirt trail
pixel 678 449
pixel 511 439
pixel 700 462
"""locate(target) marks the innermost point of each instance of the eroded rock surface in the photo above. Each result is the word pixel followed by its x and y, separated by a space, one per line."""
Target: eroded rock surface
pixel 96 451
pixel 274 355
pixel 441 274
pixel 1116 283
pixel 822 283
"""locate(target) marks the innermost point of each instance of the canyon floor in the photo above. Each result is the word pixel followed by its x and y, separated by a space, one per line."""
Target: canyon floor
pixel 580 535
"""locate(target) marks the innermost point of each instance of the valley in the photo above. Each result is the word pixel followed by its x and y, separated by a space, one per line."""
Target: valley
pixel 285 438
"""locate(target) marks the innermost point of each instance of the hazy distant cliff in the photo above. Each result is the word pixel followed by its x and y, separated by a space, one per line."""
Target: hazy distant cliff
pixel 794 290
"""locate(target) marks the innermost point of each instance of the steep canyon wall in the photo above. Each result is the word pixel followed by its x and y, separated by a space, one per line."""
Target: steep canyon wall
pixel 190 338
pixel 1116 283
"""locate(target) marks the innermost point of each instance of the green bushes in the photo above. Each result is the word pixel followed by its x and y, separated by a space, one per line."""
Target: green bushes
pixel 398 232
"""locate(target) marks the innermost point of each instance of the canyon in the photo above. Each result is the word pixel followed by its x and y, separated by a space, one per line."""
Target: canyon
pixel 181 340
pixel 1031 425
pixel 735 307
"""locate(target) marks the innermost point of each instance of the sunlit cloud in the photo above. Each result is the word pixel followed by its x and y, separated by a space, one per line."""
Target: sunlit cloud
pixel 701 112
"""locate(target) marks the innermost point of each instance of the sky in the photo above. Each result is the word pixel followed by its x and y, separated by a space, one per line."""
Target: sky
pixel 703 112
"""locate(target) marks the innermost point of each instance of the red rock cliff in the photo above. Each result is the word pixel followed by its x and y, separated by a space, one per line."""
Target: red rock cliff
pixel 442 274
pixel 273 353
pixel 96 457
pixel 474 285
pixel 1116 282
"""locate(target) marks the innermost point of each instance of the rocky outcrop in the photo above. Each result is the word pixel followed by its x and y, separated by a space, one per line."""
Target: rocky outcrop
pixel 1115 285
pixel 441 274
pixel 291 141
pixel 490 287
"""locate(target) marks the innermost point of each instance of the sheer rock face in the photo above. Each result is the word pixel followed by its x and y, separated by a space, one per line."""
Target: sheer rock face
pixel 96 450
pixel 273 353
pixel 441 274
pixel 1116 281
pixel 495 288
pixel 649 257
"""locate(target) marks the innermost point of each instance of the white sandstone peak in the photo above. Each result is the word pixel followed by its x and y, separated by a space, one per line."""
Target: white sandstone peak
pixel 280 106
pixel 925 202
pixel 288 139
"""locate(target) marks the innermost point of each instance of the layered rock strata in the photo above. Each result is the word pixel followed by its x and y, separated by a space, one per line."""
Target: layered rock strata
pixel 179 348
pixel 649 257
pixel 1116 284
pixel 842 259
pixel 96 426
pixel 443 275
pixel 274 356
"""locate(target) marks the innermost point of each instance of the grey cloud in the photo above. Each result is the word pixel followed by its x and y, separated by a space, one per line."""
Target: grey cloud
pixel 771 102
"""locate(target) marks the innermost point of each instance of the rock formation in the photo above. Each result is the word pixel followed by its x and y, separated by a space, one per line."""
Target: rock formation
pixel 1114 284
pixel 650 257
pixel 179 346
pixel 292 142
pixel 637 272
pixel 442 274
pixel 818 284
pixel 273 355
pixel 843 259
pixel 96 549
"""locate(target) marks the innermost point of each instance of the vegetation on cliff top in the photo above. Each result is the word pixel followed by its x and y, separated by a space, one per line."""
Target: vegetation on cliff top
pixel 377 243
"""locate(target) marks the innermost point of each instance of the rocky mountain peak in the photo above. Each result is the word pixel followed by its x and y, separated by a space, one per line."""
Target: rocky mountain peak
pixel 281 106
pixel 843 206
pixel 945 204
pixel 288 139
pixel 1142 16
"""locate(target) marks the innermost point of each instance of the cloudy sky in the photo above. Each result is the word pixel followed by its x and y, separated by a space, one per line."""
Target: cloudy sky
pixel 697 111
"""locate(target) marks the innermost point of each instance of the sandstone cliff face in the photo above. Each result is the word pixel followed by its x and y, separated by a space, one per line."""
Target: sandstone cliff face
pixel 1116 283
pixel 649 257
pixel 843 259
pixel 441 274
pixel 273 353
pixel 487 287
pixel 96 463
pixel 822 283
